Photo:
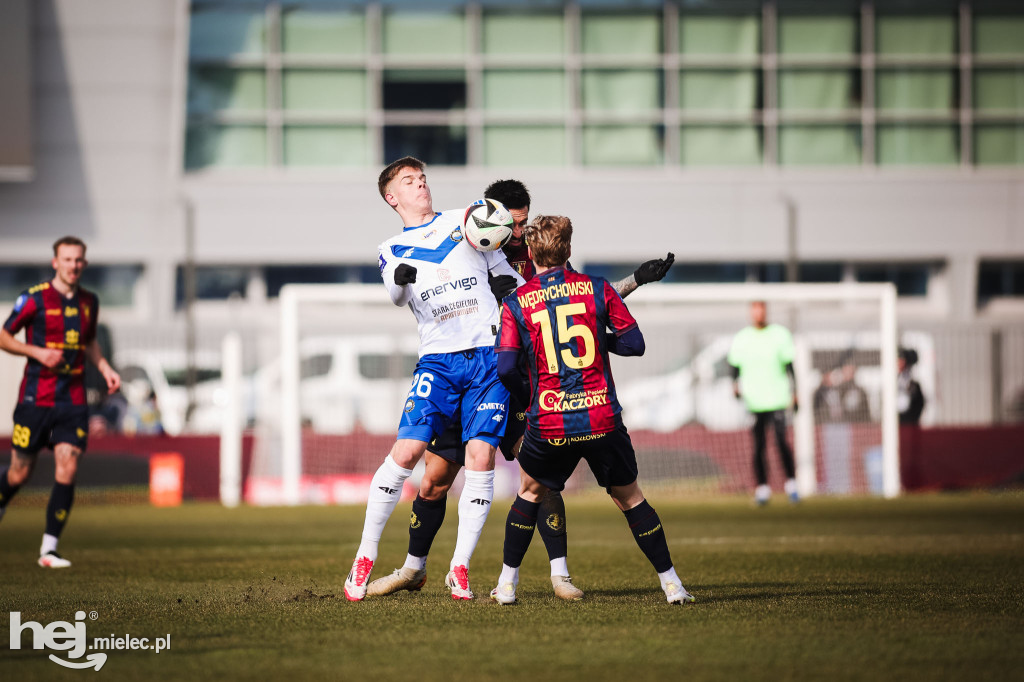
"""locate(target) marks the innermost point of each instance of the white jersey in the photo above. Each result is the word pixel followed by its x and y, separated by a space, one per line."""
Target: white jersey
pixel 451 299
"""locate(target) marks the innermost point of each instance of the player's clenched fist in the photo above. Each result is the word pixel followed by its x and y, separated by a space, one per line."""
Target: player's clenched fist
pixel 405 274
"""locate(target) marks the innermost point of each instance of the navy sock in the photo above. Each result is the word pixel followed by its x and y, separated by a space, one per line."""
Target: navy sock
pixel 427 517
pixel 649 535
pixel 551 526
pixel 7 491
pixel 522 518
pixel 59 507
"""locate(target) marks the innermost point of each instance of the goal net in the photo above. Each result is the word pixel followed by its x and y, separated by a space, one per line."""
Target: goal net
pixel 326 403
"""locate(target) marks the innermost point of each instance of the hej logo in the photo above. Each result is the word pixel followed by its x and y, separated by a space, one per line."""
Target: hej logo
pixel 71 638
pixel 59 636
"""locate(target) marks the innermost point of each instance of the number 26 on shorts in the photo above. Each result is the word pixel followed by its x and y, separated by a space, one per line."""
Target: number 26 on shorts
pixel 421 385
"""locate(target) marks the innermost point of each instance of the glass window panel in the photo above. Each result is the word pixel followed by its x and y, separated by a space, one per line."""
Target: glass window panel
pixel 621 90
pixel 819 145
pixel 706 35
pixel 835 35
pixel 720 145
pixel 525 90
pixel 637 34
pixel 15 279
pixel 819 90
pixel 216 32
pixel 621 145
pixel 276 276
pixel 220 89
pixel 228 146
pixel 916 89
pixel 719 90
pixel 523 34
pixel 1001 145
pixel 909 144
pixel 916 35
pixel 524 146
pixel 999 35
pixel 999 89
pixel 433 89
pixel 114 284
pixel 999 279
pixel 422 34
pixel 321 90
pixel 311 31
pixel 710 273
pixel 911 279
pixel 820 272
pixel 213 283
pixel 326 146
pixel 443 145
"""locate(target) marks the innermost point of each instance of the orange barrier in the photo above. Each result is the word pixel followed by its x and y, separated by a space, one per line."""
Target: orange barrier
pixel 166 479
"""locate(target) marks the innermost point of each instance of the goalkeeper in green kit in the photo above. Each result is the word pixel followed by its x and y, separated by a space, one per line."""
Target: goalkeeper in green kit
pixel 761 358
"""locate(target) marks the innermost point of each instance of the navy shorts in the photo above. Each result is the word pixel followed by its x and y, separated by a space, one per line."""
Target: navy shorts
pixel 38 427
pixel 449 445
pixel 551 461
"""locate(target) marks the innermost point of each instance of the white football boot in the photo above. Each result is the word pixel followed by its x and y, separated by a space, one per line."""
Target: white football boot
pixel 504 593
pixel 358 577
pixel 677 594
pixel 457 581
pixel 53 560
pixel 402 579
pixel 564 589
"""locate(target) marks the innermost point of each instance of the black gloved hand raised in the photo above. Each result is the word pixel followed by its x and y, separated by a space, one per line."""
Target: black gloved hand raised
pixel 501 286
pixel 405 274
pixel 654 270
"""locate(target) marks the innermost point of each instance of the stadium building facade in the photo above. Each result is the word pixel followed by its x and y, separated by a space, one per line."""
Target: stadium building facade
pixel 880 140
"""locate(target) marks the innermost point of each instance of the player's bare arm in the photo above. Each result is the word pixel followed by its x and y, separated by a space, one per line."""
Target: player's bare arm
pixel 48 357
pixel 649 271
pixel 95 356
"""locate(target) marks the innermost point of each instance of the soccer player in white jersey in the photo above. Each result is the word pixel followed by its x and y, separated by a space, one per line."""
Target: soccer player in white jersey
pixel 433 270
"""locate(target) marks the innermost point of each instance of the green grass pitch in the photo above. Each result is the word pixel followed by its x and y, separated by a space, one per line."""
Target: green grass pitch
pixel 926 587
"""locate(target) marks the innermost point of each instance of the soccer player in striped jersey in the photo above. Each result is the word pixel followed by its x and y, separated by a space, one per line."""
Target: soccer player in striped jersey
pixel 446 453
pixel 60 319
pixel 430 268
pixel 558 321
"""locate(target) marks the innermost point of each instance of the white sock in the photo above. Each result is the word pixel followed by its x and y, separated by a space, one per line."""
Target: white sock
pixel 508 574
pixel 474 505
pixel 669 576
pixel 790 486
pixel 559 566
pixel 385 491
pixel 763 492
pixel 49 544
pixel 416 563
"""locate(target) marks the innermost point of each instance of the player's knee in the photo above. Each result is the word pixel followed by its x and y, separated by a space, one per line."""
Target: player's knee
pixel 19 472
pixel 407 452
pixel 433 490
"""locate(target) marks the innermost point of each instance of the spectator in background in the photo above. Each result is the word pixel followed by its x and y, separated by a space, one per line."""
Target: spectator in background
pixel 838 403
pixel 761 358
pixel 909 398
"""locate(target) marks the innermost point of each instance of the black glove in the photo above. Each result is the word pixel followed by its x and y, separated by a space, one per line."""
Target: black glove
pixel 405 274
pixel 501 286
pixel 654 270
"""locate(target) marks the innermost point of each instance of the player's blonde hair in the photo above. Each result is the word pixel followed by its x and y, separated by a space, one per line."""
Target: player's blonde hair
pixel 549 238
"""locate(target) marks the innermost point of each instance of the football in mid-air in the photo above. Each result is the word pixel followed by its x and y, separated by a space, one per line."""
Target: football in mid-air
pixel 487 224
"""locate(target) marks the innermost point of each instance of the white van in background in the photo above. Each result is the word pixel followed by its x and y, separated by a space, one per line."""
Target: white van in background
pixel 701 391
pixel 344 382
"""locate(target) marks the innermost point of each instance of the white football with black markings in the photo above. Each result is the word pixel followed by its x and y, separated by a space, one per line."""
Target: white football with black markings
pixel 487 224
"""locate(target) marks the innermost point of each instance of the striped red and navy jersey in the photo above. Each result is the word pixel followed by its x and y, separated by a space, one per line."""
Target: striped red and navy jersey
pixel 518 257
pixel 51 320
pixel 558 320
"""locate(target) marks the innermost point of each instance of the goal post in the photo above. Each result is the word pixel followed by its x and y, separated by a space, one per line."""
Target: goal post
pixel 881 294
pixel 327 399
